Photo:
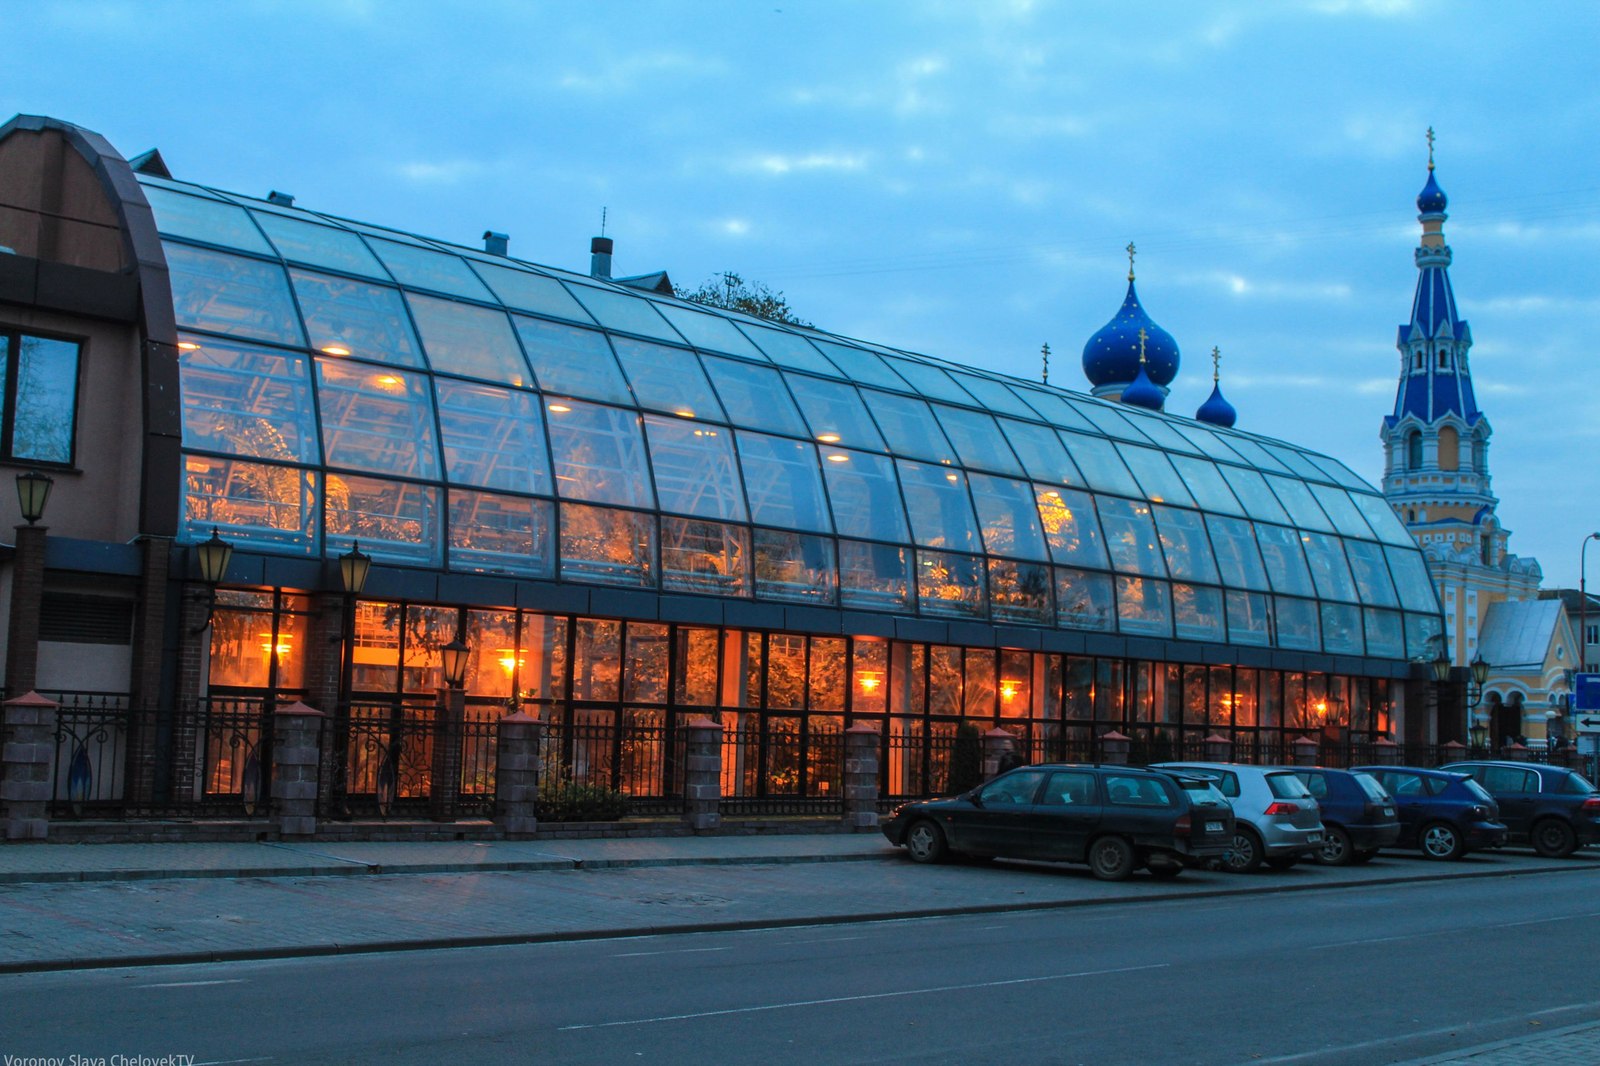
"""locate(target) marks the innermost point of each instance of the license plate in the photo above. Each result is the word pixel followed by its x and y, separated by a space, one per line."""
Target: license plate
pixel 1388 812
pixel 1213 827
pixel 1314 838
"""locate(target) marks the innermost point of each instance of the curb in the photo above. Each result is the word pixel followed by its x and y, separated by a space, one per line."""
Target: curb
pixel 376 947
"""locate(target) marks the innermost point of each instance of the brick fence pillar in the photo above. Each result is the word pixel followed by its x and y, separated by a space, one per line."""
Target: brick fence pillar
pixel 1452 751
pixel 996 744
pixel 516 774
pixel 444 779
pixel 861 777
pixel 1385 752
pixel 702 775
pixel 27 593
pixel 1516 752
pixel 1306 751
pixel 1218 748
pixel 296 760
pixel 26 763
pixel 1114 748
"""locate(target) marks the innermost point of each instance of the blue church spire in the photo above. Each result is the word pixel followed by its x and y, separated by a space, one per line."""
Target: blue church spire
pixel 1217 410
pixel 1111 357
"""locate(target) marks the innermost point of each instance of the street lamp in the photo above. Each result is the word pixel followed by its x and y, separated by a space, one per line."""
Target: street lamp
pixel 1480 735
pixel 354 565
pixel 33 489
pixel 453 657
pixel 1440 665
pixel 1479 673
pixel 1583 603
pixel 214 556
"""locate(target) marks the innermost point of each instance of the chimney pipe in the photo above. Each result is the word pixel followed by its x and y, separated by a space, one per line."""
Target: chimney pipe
pixel 495 243
pixel 600 258
pixel 282 199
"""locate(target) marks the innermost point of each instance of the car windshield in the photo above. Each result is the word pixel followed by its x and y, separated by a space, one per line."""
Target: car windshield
pixel 1477 790
pixel 1370 786
pixel 1287 786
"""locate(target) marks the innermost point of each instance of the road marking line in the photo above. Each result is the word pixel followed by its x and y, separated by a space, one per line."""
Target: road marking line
pixel 197 984
pixel 863 998
pixel 676 951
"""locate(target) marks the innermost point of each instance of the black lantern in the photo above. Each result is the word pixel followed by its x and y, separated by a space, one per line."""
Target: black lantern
pixel 1480 735
pixel 453 657
pixel 33 489
pixel 1441 665
pixel 1480 670
pixel 214 556
pixel 353 567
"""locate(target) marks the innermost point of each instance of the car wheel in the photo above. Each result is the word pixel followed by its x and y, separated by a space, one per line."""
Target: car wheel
pixel 1554 839
pixel 1336 849
pixel 1441 841
pixel 1111 859
pixel 1245 855
pixel 925 842
pixel 1165 873
pixel 1283 862
pixel 1357 858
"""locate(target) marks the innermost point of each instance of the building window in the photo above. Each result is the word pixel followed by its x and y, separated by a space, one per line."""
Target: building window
pixel 1444 359
pixel 1414 450
pixel 1591 634
pixel 1488 551
pixel 40 390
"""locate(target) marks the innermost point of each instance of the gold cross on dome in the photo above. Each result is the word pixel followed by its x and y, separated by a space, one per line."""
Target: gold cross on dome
pixel 1130 260
pixel 1216 364
pixel 1430 147
pixel 1142 336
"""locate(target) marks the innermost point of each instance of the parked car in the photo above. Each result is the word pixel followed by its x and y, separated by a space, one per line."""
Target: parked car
pixel 1358 816
pixel 1443 814
pixel 1277 820
pixel 1550 807
pixel 1115 818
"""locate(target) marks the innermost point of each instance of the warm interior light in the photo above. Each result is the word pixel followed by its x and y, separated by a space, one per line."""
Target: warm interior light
pixel 559 408
pixel 1008 690
pixel 388 383
pixel 509 661
pixel 282 647
pixel 869 680
pixel 684 412
pixel 828 438
pixel 1322 708
pixel 188 346
pixel 335 349
pixel 952 477
pixel 837 458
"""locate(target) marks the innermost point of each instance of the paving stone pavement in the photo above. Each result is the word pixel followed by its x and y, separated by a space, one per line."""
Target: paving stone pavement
pixel 1577 1045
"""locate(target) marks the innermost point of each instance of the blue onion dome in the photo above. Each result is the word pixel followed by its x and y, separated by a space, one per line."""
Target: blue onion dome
pixel 1217 410
pixel 1112 355
pixel 1431 200
pixel 1142 392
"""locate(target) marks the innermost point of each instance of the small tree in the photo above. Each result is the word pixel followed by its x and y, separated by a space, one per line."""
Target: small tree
pixel 732 292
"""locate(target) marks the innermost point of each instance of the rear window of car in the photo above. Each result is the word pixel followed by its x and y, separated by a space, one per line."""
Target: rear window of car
pixel 1372 788
pixel 1575 785
pixel 1226 781
pixel 1316 784
pixel 1287 786
pixel 1202 792
pixel 1130 791
pixel 1505 779
pixel 1477 790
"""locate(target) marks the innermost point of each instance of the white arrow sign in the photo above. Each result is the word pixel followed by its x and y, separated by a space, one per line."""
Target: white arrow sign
pixel 1587 723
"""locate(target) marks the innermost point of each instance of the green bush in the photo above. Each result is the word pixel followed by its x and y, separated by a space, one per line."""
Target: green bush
pixel 561 800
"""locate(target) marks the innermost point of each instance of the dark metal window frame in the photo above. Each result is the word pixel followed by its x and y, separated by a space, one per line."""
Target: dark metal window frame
pixel 13 335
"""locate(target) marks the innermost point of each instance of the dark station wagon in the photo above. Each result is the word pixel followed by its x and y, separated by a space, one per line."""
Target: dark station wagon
pixel 1116 819
pixel 1551 808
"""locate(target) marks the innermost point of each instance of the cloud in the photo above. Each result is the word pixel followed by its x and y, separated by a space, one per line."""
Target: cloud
pixel 1240 286
pixel 732 227
pixel 438 172
pixel 778 163
pixel 1529 305
pixel 1366 8
pixel 625 74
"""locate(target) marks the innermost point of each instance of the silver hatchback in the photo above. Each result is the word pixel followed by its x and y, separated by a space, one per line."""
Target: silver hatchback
pixel 1277 821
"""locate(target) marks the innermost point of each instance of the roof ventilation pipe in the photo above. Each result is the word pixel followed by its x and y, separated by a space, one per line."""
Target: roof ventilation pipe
pixel 282 199
pixel 600 258
pixel 495 243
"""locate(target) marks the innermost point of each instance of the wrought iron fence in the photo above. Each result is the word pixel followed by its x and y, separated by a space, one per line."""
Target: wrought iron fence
pixel 388 757
pixel 781 770
pixel 642 760
pixel 480 731
pixel 233 740
pixel 91 755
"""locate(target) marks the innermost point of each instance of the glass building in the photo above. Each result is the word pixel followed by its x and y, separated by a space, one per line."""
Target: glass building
pixel 633 509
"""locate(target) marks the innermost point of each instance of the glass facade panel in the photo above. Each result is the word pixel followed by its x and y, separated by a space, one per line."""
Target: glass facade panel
pixel 865 497
pixel 1381 517
pixel 1008 517
pixel 1371 573
pixel 860 365
pixel 598 454
pixel 1336 504
pixel 1041 452
pixel 1412 581
pixel 1251 489
pixel 395 521
pixel 909 427
pixel 1071 527
pixel 783 481
pixel 1254 454
pixel 1297 624
pixel 1341 629
pixel 232 295
pixel 1209 443
pixel 755 396
pixel 300 241
pixel 876 577
pixel 527 291
pixel 630 314
pixel 475 342
pixel 252 402
pixel 1084 600
pixel 492 437
pixel 376 419
pixel 495 534
pixel 1285 561
pixel 835 412
pixel 269 507
pixel 993 395
pixel 1329 570
pixel 930 381
pixel 950 584
pixel 705 557
pixel 1160 432
pixel 794 566
pixel 573 362
pixel 1183 539
pixel 710 333
pixel 977 440
pixel 667 379
pixel 1144 606
pixel 1238 558
pixel 210 221
pixel 606 546
pixel 1100 464
pixel 1249 618
pixel 1108 421
pixel 938 506
pixel 1298 464
pixel 1297 499
pixel 425 268
pixel 694 470
pixel 1131 537
pixel 1197 612
pixel 346 317
pixel 1155 475
pixel 1422 635
pixel 1210 491
pixel 1055 409
pixel 787 349
pixel 1385 635
pixel 1020 592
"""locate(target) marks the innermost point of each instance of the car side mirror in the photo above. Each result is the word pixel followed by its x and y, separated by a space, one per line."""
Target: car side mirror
pixel 975 799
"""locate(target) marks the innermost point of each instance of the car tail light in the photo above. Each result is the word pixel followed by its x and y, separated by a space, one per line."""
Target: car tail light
pixel 1591 805
pixel 1281 807
pixel 1182 827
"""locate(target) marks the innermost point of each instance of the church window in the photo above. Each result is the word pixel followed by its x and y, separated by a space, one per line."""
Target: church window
pixel 1411 515
pixel 1444 359
pixel 1414 450
pixel 1416 361
pixel 1488 551
pixel 1449 448
pixel 1480 449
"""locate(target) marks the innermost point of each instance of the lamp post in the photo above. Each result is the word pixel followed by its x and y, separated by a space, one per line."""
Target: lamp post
pixel 1583 603
pixel 27 585
pixel 214 556
pixel 354 565
pixel 445 785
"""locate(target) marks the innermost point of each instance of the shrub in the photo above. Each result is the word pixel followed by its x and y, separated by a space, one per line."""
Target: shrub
pixel 561 800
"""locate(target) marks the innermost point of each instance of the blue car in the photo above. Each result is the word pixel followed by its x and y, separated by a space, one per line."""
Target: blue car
pixel 1358 816
pixel 1442 814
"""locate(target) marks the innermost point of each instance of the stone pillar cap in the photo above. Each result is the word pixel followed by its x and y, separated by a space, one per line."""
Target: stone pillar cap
pixel 32 699
pixel 998 732
pixel 703 723
pixel 300 708
pixel 1304 740
pixel 863 727
pixel 520 717
pixel 1217 738
pixel 1385 740
pixel 1113 735
pixel 1452 744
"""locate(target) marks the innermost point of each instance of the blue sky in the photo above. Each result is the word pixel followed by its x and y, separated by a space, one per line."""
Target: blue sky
pixel 954 178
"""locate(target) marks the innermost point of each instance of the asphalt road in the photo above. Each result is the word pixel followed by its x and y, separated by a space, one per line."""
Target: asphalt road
pixel 1356 975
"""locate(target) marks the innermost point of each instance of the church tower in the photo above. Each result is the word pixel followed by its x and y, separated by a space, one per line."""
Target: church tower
pixel 1436 449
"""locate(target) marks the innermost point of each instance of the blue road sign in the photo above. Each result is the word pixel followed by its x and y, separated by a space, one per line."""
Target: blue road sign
pixel 1586 703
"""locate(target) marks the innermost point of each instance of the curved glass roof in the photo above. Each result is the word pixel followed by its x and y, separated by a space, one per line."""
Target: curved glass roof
pixel 460 410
